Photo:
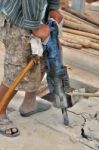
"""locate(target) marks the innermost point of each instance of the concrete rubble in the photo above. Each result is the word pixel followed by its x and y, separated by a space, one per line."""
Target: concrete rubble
pixel 46 130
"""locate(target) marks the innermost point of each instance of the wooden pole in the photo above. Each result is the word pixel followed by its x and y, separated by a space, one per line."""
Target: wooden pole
pixel 76 26
pixel 70 44
pixel 86 18
pixel 77 19
pixel 87 43
pixel 6 99
pixel 85 34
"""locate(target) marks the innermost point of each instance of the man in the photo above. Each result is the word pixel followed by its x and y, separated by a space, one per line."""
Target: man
pixel 23 18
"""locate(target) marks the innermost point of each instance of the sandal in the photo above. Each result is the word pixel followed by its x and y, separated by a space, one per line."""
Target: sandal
pixel 8 129
pixel 41 106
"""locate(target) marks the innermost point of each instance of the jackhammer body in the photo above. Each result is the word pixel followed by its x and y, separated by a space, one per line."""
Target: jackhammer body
pixel 57 77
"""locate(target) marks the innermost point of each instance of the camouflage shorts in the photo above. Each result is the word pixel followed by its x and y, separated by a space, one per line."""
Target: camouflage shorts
pixel 17 51
pixel 2 27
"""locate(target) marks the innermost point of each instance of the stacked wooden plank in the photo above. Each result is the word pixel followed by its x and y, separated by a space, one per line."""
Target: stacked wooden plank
pixel 79 31
pixel 91 1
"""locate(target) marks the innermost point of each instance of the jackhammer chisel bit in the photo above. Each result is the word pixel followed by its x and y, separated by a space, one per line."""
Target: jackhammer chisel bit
pixel 61 99
pixel 65 116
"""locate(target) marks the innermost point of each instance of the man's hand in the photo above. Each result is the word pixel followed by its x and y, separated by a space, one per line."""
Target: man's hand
pixel 55 14
pixel 42 32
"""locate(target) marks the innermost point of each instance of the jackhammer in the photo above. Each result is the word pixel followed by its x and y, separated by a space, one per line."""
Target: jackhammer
pixel 57 77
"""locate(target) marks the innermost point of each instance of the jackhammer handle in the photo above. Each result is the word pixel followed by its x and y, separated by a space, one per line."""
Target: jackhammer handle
pixel 9 93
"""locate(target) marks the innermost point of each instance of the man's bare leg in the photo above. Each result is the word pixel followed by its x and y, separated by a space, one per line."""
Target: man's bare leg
pixel 3 90
pixel 29 102
pixel 30 106
pixel 4 121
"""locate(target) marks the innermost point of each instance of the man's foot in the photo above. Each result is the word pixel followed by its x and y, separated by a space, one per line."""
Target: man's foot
pixel 30 106
pixel 7 128
pixel 39 107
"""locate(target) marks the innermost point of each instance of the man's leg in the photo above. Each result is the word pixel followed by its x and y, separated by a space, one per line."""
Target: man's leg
pixel 3 90
pixel 6 126
pixel 31 106
pixel 29 102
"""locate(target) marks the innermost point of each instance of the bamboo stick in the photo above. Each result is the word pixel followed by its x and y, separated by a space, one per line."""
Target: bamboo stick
pixel 94 45
pixel 78 19
pixel 91 40
pixel 70 44
pixel 81 36
pixel 75 20
pixel 86 18
pixel 76 26
pixel 84 42
pixel 65 13
pixel 70 40
pixel 67 17
pixel 90 35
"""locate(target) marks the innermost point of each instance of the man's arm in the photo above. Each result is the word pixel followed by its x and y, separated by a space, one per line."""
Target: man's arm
pixel 54 5
pixel 44 30
pixel 32 12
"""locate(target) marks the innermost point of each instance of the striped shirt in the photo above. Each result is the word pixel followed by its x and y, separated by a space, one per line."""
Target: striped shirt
pixel 26 13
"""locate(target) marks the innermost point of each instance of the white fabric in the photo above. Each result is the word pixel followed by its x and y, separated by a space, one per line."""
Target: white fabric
pixel 36 46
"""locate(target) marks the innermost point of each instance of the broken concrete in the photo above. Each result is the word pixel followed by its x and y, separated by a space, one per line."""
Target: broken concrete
pixel 89 110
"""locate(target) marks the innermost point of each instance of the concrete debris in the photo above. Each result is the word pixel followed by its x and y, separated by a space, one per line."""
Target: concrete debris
pixel 89 110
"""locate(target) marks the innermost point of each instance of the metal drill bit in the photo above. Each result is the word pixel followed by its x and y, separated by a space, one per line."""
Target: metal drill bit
pixel 65 116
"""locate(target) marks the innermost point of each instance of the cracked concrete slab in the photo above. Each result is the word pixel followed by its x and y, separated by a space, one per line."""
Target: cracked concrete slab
pixel 89 110
pixel 44 130
pixel 86 106
pixel 38 137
